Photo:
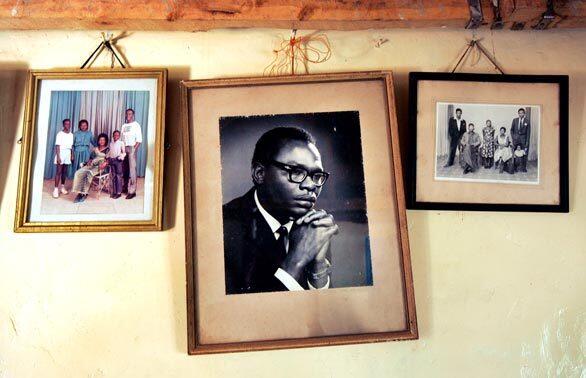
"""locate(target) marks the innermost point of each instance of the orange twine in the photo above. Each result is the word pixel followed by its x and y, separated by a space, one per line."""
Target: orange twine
pixel 312 48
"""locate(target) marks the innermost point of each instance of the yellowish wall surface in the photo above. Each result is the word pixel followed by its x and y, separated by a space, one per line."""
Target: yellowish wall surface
pixel 498 294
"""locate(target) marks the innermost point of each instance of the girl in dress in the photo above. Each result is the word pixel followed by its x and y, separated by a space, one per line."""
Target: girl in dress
pixel 63 156
pixel 487 149
pixel 83 141
pixel 503 152
pixel 84 176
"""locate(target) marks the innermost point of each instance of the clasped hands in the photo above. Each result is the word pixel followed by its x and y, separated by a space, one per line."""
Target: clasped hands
pixel 309 242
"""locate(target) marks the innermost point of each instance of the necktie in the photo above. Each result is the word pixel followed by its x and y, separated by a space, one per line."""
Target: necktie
pixel 282 243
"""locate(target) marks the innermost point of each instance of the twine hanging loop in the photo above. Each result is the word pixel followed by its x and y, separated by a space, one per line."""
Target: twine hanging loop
pixel 291 52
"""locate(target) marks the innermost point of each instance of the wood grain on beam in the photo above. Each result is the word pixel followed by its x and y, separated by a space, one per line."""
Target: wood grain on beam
pixel 309 14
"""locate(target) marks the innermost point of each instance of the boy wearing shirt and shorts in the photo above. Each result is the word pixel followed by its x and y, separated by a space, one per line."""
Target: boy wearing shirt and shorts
pixel 63 156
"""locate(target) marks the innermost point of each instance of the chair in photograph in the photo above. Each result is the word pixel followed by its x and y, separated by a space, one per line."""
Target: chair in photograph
pixel 102 181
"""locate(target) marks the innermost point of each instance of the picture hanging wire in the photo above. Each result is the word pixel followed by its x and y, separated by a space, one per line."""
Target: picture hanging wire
pixel 475 43
pixel 106 43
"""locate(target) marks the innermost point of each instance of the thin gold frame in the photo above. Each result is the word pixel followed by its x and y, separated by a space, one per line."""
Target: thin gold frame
pixel 21 221
pixel 196 348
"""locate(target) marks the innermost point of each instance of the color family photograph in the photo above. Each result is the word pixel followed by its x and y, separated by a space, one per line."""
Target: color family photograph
pixel 92 156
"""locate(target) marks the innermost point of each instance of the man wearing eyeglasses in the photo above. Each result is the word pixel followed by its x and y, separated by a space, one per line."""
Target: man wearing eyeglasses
pixel 274 238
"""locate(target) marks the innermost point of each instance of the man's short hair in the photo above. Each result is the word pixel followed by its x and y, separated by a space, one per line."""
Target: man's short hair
pixel 458 110
pixel 271 142
pixel 520 110
pixel 116 131
pixel 65 120
pixel 503 128
pixel 132 110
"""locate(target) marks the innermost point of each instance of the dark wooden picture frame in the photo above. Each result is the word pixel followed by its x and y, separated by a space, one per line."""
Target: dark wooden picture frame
pixel 414 99
pixel 194 344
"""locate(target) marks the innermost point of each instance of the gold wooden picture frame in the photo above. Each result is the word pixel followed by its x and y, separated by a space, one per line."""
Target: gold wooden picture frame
pixel 221 120
pixel 98 102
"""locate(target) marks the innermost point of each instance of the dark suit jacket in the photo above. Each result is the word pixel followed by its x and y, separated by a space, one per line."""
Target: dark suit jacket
pixel 521 133
pixel 454 131
pixel 250 249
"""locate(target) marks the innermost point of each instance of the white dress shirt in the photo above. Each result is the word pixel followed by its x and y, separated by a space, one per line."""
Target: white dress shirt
pixel 131 134
pixel 290 283
pixel 117 150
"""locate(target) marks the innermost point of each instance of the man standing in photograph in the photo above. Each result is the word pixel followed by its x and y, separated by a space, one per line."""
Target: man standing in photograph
pixel 456 128
pixel 520 132
pixel 132 138
pixel 470 143
pixel 274 239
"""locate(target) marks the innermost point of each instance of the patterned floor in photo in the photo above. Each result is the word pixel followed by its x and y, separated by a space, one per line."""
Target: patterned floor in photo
pixel 92 205
pixel 483 174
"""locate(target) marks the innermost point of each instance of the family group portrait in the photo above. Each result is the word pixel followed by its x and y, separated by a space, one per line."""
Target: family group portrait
pixel 487 143
pixel 96 155
pixel 294 211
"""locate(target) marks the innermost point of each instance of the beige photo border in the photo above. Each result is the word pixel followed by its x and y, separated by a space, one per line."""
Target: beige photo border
pixel 329 317
pixel 545 95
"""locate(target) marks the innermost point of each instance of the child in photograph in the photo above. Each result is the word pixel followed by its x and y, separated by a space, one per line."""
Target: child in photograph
pixel 116 161
pixel 83 141
pixel 63 157
pixel 519 158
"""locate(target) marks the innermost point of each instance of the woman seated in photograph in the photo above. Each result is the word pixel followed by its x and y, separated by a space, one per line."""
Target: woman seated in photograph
pixel 83 141
pixel 469 150
pixel 97 162
pixel 487 148
pixel 502 153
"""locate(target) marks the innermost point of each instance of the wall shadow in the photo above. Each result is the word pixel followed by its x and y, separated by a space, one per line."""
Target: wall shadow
pixel 577 92
pixel 173 154
pixel 171 183
pixel 401 87
pixel 12 83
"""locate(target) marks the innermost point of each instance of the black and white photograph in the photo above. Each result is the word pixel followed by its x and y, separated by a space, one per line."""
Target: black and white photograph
pixel 485 142
pixel 294 213
pixel 492 143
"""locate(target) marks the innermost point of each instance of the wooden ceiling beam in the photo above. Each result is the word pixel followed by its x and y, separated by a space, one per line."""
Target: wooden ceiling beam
pixel 193 15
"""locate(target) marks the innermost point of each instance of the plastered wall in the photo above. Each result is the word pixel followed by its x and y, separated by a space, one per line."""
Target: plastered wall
pixel 498 294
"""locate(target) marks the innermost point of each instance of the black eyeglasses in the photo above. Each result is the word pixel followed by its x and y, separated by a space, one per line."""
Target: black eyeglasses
pixel 298 174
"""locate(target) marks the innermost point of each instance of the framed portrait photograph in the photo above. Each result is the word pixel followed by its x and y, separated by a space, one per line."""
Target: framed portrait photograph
pixel 296 230
pixel 488 142
pixel 92 151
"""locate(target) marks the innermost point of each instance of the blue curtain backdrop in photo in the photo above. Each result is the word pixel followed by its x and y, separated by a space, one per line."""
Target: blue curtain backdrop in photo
pixel 105 112
pixel 64 104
